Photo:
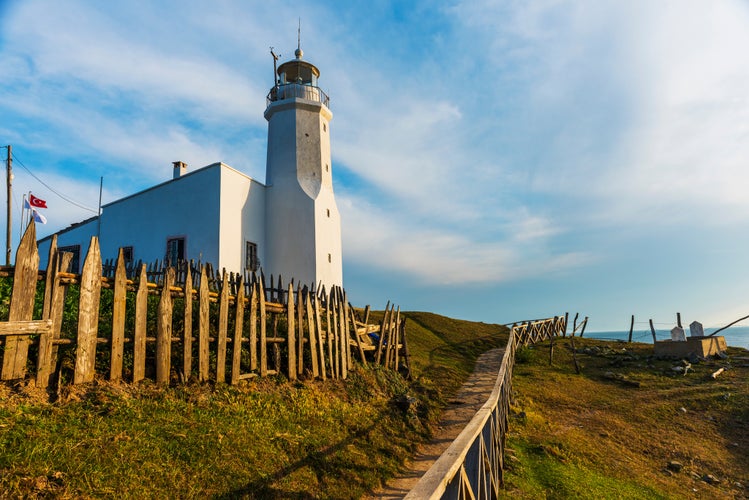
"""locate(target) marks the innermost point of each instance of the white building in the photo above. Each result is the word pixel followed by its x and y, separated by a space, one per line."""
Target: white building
pixel 218 215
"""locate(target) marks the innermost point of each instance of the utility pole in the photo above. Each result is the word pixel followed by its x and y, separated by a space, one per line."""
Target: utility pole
pixel 9 181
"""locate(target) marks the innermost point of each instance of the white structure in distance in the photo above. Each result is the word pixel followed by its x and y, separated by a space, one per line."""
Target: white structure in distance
pixel 289 226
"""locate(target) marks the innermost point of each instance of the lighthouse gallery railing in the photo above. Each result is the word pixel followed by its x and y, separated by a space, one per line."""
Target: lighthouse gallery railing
pixel 297 90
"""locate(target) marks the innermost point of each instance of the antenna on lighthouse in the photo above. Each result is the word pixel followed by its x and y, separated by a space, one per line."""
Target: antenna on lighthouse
pixel 275 71
pixel 299 35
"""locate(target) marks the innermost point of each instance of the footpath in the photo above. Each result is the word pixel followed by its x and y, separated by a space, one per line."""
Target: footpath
pixel 469 399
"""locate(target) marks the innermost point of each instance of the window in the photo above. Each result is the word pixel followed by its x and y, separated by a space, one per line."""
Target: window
pixel 324 127
pixel 330 258
pixel 175 250
pixel 74 266
pixel 127 253
pixel 328 212
pixel 327 167
pixel 251 262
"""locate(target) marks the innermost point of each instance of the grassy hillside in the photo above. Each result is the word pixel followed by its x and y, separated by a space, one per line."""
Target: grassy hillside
pixel 627 426
pixel 265 439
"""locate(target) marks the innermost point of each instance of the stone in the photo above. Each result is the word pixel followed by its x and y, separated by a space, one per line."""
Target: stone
pixel 696 330
pixel 710 479
pixel 677 334
pixel 675 466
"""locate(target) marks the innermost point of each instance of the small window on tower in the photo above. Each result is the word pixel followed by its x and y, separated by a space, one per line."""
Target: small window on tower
pixel 324 127
pixel 327 167
pixel 328 212
pixel 330 258
pixel 251 262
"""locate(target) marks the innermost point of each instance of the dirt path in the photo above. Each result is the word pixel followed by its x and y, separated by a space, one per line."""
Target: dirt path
pixel 461 410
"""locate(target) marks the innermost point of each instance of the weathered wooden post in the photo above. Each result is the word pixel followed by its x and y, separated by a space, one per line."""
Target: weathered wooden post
pixel 88 314
pixel 164 329
pixel 652 330
pixel 47 349
pixel 203 326
pixel 236 359
pixel 187 326
pixel 223 327
pixel 118 318
pixel 21 304
pixel 141 322
pixel 290 335
pixel 631 327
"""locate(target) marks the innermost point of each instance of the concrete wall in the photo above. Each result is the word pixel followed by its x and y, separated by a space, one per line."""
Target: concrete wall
pixel 302 225
pixel 242 218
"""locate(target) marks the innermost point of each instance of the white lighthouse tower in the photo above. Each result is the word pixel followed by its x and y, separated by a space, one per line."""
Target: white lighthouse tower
pixel 303 226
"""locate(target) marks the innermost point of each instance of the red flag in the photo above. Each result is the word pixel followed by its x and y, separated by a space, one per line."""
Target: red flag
pixel 37 202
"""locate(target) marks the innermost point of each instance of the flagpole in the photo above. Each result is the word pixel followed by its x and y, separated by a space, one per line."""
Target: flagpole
pixel 9 183
pixel 98 218
pixel 30 213
pixel 23 214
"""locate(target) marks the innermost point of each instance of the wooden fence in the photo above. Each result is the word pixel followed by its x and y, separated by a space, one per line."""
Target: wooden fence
pixel 201 328
pixel 472 467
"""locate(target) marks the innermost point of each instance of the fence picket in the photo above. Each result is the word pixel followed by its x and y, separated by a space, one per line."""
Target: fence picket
pixel 21 304
pixel 253 325
pixel 187 327
pixel 88 314
pixel 290 339
pixel 141 322
pixel 47 349
pixel 49 278
pixel 203 326
pixel 311 333
pixel 263 333
pixel 318 332
pixel 118 318
pixel 236 359
pixel 164 329
pixel 223 326
pixel 300 330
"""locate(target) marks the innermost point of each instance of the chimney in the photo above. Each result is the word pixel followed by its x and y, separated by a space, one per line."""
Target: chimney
pixel 180 168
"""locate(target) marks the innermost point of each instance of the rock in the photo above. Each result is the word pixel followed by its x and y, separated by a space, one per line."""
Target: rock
pixel 710 479
pixel 675 466
pixel 722 355
pixel 683 410
pixel 693 358
pixel 405 402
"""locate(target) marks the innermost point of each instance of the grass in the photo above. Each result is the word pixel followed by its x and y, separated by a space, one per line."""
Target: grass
pixel 598 435
pixel 609 432
pixel 268 438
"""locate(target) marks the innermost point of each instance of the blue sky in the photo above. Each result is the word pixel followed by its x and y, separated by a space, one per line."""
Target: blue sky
pixel 493 160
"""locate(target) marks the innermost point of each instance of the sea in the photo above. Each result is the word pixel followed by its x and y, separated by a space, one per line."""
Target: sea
pixel 736 336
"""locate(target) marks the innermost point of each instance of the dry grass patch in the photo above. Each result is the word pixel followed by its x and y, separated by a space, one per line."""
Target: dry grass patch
pixel 597 434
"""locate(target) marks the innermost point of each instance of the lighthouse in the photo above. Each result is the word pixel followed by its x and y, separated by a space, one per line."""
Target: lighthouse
pixel 303 225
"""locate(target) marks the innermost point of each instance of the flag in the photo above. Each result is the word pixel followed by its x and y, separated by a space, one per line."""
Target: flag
pixel 38 217
pixel 37 202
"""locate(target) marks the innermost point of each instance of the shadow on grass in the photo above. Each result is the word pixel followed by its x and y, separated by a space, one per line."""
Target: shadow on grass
pixel 324 463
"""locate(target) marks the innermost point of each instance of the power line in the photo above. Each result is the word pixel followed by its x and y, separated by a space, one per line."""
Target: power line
pixel 72 202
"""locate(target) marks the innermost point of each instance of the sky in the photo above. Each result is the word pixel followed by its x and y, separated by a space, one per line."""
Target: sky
pixel 493 160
